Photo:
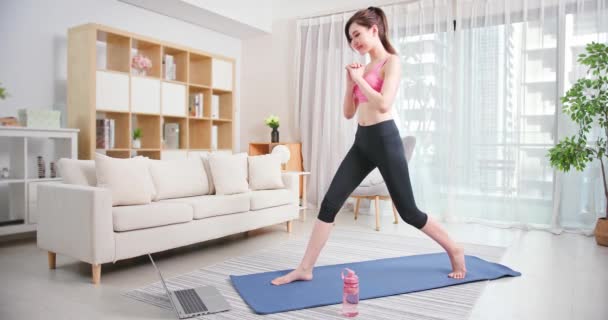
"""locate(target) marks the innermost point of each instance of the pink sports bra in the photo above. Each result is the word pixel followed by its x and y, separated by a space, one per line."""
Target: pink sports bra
pixel 374 80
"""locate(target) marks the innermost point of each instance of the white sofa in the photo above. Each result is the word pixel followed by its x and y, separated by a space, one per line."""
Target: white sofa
pixel 79 221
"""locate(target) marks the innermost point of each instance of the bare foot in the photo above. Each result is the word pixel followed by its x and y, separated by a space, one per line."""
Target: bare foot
pixel 459 269
pixel 295 275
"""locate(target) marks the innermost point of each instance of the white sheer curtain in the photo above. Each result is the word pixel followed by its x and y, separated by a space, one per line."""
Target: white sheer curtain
pixel 321 54
pixel 482 100
pixel 503 123
pixel 514 61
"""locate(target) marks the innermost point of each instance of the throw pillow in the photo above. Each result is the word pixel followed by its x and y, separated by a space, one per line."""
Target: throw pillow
pixel 265 172
pixel 179 178
pixel 128 179
pixel 229 172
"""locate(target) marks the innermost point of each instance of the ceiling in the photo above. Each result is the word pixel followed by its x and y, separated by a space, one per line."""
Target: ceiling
pixel 193 12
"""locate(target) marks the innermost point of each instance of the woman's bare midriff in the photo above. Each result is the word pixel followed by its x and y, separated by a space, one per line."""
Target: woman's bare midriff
pixel 368 116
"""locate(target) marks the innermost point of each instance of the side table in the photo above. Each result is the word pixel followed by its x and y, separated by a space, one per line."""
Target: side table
pixel 303 206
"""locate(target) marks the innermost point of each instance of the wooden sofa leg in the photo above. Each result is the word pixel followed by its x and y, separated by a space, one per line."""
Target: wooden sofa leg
pixel 96 273
pixel 52 259
pixel 289 226
pixel 357 207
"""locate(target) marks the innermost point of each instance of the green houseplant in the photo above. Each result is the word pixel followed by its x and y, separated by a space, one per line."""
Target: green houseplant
pixel 587 105
pixel 7 121
pixel 137 138
pixel 3 93
pixel 273 122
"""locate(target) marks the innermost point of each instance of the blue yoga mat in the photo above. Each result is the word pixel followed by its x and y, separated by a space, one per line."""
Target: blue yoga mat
pixel 377 278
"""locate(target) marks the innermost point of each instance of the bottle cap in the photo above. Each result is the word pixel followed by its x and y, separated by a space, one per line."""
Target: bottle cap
pixel 350 277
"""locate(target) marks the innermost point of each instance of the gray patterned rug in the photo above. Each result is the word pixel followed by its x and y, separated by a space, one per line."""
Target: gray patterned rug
pixel 345 245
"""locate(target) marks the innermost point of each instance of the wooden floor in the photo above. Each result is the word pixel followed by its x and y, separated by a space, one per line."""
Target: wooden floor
pixel 564 277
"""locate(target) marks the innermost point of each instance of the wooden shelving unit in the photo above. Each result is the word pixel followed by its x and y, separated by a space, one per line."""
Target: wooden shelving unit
pixel 150 126
pixel 200 70
pixel 180 58
pixel 117 51
pixel 201 129
pixel 183 131
pixel 103 85
pixel 150 50
pixel 123 125
pixel 194 89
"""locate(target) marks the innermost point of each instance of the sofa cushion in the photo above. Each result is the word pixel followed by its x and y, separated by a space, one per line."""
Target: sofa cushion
pixel 229 173
pixel 265 172
pixel 78 172
pixel 216 205
pixel 128 180
pixel 179 178
pixel 156 214
pixel 261 199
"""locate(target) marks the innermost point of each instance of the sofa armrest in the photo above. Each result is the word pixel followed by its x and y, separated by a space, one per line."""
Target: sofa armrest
pixel 291 180
pixel 76 221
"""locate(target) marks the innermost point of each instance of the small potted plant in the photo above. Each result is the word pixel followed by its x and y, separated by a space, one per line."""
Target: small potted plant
pixel 7 121
pixel 141 64
pixel 3 93
pixel 273 122
pixel 586 104
pixel 137 138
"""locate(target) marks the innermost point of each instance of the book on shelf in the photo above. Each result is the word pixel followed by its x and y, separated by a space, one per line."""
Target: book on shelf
pixel 112 133
pixel 214 138
pixel 196 105
pixel 169 65
pixel 215 107
pixel 171 135
pixel 105 133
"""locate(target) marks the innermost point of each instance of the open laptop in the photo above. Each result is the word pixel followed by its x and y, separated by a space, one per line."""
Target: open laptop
pixel 194 302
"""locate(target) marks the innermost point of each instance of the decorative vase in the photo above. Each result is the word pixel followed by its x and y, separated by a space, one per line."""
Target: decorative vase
pixel 601 232
pixel 141 72
pixel 274 135
pixel 53 170
pixel 41 168
pixel 137 144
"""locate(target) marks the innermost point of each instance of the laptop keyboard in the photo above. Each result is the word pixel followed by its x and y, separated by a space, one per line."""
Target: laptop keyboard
pixel 190 301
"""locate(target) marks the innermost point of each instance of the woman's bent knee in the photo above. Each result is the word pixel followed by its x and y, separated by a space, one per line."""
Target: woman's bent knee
pixel 415 218
pixel 327 213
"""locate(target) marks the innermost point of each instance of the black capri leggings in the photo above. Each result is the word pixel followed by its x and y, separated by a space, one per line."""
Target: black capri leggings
pixel 378 145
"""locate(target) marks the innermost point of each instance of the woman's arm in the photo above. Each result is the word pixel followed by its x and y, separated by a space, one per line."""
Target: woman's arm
pixel 385 98
pixel 349 107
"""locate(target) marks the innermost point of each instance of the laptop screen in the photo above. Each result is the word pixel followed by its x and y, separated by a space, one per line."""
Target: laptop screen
pixel 162 280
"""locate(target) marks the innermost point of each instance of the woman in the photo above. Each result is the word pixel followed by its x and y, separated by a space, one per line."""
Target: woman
pixel 371 91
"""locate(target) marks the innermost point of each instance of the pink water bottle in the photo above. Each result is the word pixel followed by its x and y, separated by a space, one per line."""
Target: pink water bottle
pixel 350 295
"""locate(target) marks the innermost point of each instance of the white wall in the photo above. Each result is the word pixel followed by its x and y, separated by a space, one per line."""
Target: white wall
pixel 268 72
pixel 33 35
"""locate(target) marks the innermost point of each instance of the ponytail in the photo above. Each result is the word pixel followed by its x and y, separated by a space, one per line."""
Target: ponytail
pixel 383 33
